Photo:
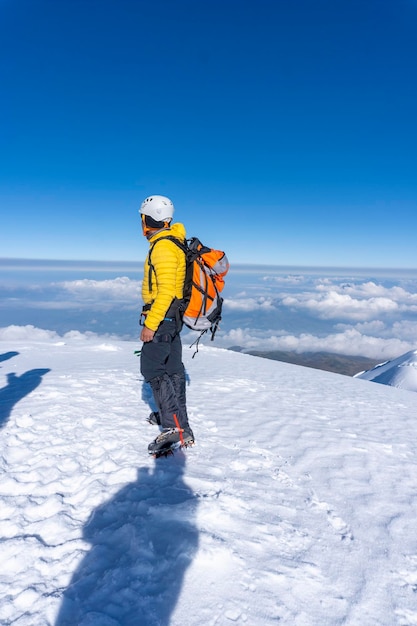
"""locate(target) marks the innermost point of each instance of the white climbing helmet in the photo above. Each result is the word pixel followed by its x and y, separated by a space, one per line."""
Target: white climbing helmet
pixel 159 208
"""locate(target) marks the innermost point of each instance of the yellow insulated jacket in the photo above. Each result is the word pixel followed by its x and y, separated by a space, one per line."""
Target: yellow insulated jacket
pixel 168 275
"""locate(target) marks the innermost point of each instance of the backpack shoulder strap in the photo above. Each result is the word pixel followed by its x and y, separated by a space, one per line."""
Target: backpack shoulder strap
pixel 182 246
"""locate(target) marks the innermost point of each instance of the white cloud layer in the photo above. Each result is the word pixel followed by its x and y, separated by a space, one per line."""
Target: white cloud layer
pixel 334 305
pixel 339 314
pixel 119 289
pixel 248 304
pixel 350 342
pixel 32 333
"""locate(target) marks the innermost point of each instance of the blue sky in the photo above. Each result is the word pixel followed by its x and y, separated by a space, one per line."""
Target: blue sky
pixel 284 130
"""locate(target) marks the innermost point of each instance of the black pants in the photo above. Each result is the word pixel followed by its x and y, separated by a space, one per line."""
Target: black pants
pixel 162 367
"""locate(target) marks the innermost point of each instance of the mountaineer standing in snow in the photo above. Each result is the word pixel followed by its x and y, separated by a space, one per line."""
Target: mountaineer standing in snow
pixel 162 293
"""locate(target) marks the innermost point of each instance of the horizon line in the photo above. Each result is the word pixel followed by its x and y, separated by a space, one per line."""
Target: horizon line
pixel 22 260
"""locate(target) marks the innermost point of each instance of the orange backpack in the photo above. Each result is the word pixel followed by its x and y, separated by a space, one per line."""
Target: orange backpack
pixel 206 268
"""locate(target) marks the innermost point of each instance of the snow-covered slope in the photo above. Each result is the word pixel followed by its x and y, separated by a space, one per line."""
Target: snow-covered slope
pixel 297 505
pixel 401 372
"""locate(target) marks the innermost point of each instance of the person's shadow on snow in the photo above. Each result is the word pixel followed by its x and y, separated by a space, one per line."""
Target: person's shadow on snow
pixel 8 355
pixel 142 542
pixel 17 388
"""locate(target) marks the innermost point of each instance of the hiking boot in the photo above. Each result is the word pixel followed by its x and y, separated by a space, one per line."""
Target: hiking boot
pixel 154 419
pixel 168 439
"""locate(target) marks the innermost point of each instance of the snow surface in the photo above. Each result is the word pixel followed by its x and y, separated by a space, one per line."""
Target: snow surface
pixel 401 372
pixel 297 505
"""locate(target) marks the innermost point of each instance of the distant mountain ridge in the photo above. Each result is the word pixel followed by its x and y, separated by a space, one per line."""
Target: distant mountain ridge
pixel 327 361
pixel 400 372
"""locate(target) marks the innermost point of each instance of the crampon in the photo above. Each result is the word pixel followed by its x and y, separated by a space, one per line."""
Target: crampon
pixel 169 440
